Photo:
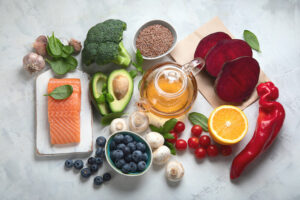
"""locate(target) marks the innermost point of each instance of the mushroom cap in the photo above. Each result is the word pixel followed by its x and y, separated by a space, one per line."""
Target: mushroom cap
pixel 155 139
pixel 138 122
pixel 174 171
pixel 161 155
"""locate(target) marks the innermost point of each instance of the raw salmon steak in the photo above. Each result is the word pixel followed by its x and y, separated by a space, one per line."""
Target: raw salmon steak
pixel 64 115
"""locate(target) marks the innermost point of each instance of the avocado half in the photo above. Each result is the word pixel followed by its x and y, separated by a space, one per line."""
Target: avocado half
pixel 120 86
pixel 97 83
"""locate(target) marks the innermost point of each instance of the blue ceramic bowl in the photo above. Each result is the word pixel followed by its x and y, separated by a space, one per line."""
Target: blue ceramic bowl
pixel 137 138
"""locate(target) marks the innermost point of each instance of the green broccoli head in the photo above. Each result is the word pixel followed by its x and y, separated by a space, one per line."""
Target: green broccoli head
pixel 104 45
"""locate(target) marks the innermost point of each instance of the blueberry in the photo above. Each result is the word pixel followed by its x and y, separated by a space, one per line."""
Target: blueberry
pixel 112 145
pixel 94 168
pixel 117 154
pixel 69 163
pixel 78 164
pixel 99 161
pixel 132 146
pixel 85 172
pixel 141 166
pixel 91 160
pixel 118 138
pixel 100 141
pixel 106 176
pixel 133 167
pixel 137 156
pixel 128 158
pixel 100 152
pixel 98 180
pixel 127 139
pixel 126 168
pixel 126 150
pixel 144 157
pixel 119 163
pixel 121 147
pixel 141 146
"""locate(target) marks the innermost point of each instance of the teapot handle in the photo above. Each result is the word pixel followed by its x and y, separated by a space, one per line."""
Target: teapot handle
pixel 195 66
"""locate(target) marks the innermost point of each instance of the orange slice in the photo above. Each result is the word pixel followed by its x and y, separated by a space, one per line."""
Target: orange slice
pixel 227 125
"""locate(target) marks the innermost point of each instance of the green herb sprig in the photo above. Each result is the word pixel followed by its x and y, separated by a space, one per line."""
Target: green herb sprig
pixel 107 119
pixel 252 40
pixel 138 64
pixel 61 92
pixel 199 119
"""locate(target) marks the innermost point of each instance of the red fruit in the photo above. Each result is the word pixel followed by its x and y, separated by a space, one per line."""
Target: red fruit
pixel 200 152
pixel 179 127
pixel 196 130
pixel 225 150
pixel 175 137
pixel 237 80
pixel 208 42
pixel 181 144
pixel 193 142
pixel 212 150
pixel 204 141
pixel 224 51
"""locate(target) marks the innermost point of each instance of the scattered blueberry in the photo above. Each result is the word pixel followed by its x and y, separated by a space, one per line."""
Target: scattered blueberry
pixel 85 172
pixel 106 176
pixel 94 168
pixel 126 150
pixel 118 138
pixel 144 157
pixel 117 154
pixel 126 168
pixel 128 158
pixel 141 166
pixel 91 160
pixel 98 180
pixel 78 164
pixel 99 161
pixel 119 163
pixel 100 141
pixel 133 167
pixel 127 139
pixel 121 146
pixel 112 145
pixel 141 146
pixel 69 163
pixel 137 155
pixel 99 152
pixel 132 146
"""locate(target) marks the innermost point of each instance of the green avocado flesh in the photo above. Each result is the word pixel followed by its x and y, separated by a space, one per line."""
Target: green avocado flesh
pixel 98 80
pixel 120 86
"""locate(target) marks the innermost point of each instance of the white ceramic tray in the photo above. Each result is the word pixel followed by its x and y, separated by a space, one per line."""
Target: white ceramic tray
pixel 43 145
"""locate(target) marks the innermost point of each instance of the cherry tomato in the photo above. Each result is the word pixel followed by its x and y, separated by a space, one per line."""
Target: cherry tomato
pixel 212 150
pixel 196 130
pixel 200 152
pixel 193 142
pixel 181 144
pixel 175 137
pixel 179 127
pixel 204 141
pixel 225 150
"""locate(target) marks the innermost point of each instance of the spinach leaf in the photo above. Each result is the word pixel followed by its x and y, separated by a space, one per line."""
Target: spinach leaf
pixel 61 92
pixel 71 62
pixel 107 119
pixel 58 66
pixel 54 46
pixel 199 119
pixel 169 125
pixel 251 39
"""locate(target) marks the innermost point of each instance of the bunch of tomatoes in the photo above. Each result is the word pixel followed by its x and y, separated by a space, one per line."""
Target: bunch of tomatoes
pixel 201 144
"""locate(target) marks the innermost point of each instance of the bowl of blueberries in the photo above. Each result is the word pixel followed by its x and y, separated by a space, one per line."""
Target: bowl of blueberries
pixel 128 153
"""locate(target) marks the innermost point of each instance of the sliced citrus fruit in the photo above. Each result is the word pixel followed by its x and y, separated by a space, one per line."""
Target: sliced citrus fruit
pixel 227 125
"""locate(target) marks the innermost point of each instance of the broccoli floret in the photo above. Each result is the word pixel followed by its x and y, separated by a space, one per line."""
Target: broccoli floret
pixel 104 45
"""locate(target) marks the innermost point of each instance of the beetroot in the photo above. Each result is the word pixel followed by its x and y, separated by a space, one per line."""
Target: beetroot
pixel 224 51
pixel 237 80
pixel 209 42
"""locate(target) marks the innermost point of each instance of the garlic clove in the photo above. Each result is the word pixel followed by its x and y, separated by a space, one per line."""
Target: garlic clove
pixel 40 45
pixel 76 45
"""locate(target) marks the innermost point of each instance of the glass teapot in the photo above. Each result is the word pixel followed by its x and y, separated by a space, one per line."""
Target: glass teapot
pixel 168 90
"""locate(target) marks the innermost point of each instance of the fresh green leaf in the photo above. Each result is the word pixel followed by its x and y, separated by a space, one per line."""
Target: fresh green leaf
pixel 109 97
pixel 252 40
pixel 58 66
pixel 139 58
pixel 104 87
pixel 169 125
pixel 107 119
pixel 199 119
pixel 54 46
pixel 155 129
pixel 168 136
pixel 61 92
pixel 133 73
pixel 68 50
pixel 71 62
pixel 101 99
pixel 171 147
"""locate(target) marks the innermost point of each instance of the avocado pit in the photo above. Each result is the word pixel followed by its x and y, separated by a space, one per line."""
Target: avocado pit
pixel 120 86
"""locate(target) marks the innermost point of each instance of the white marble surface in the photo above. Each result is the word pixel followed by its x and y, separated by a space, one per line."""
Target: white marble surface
pixel 276 175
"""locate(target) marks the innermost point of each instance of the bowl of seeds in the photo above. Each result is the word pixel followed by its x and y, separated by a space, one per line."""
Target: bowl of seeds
pixel 155 39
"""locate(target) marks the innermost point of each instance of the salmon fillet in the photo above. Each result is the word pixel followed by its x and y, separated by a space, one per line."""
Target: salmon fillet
pixel 64 115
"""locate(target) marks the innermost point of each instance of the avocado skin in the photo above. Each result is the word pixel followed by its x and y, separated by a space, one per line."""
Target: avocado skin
pixel 102 108
pixel 119 105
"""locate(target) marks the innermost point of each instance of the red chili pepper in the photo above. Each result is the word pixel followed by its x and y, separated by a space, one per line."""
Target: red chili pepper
pixel 269 122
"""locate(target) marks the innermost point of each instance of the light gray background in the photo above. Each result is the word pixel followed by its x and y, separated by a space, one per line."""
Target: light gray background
pixel 276 175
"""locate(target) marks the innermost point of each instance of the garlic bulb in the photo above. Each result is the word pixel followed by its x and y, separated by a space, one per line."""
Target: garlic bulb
pixel 161 155
pixel 138 122
pixel 40 45
pixel 33 62
pixel 174 171
pixel 118 124
pixel 76 45
pixel 154 139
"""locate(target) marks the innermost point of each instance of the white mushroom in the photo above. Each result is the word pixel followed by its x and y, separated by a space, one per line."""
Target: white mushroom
pixel 118 124
pixel 33 62
pixel 154 139
pixel 161 155
pixel 174 171
pixel 138 122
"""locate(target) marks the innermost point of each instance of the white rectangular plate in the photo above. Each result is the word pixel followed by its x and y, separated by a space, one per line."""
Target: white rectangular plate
pixel 43 145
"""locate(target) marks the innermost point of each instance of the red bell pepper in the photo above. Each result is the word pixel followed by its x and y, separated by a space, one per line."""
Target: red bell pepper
pixel 270 119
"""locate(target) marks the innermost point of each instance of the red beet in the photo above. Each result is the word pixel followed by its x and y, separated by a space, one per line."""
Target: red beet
pixel 209 42
pixel 238 79
pixel 224 51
